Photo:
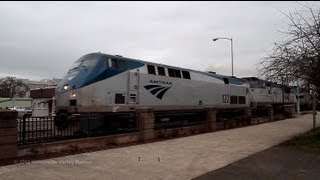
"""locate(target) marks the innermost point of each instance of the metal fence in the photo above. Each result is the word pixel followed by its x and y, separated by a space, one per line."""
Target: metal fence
pixel 53 128
pixel 229 114
pixel 171 119
pixel 32 130
pixel 259 112
pixel 278 109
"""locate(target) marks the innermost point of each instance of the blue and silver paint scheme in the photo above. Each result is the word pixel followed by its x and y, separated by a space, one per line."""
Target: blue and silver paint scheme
pixel 91 85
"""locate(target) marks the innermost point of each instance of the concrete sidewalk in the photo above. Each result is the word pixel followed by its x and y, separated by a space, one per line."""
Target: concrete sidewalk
pixel 182 158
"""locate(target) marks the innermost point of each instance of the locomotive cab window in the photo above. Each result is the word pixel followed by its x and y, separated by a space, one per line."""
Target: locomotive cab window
pixel 112 63
pixel 161 71
pixel 151 69
pixel 117 64
pixel 186 75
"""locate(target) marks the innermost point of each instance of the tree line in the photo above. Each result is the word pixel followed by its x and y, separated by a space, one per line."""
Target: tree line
pixel 11 87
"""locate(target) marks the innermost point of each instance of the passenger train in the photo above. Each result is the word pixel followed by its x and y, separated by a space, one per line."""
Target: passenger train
pixel 99 82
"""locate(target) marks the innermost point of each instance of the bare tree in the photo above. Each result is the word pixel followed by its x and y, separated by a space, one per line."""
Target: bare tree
pixel 11 87
pixel 298 55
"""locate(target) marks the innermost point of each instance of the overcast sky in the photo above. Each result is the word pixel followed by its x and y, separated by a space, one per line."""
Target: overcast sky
pixel 41 40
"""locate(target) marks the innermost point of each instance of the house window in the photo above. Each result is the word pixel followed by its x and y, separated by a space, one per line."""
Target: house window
pixel 119 98
pixel 44 105
pixel 233 99
pixel 151 69
pixel 161 71
pixel 186 75
pixel 242 100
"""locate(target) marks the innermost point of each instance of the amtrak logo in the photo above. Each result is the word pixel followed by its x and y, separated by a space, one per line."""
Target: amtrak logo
pixel 157 90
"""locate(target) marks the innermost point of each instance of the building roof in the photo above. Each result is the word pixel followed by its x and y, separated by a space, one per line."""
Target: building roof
pixel 42 93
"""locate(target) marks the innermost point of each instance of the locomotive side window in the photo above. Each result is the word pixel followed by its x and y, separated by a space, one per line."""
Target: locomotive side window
pixel 186 75
pixel 151 69
pixel 242 100
pixel 226 80
pixel 161 71
pixel 233 99
pixel 171 72
pixel 178 73
pixel 174 73
pixel 119 98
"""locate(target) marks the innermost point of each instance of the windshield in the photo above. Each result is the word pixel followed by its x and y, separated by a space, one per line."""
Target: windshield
pixel 75 66
pixel 87 61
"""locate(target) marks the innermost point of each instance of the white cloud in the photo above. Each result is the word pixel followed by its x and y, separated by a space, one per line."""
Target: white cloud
pixel 42 39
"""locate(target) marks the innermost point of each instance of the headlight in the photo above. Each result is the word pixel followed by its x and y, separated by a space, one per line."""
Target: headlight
pixel 66 86
pixel 73 94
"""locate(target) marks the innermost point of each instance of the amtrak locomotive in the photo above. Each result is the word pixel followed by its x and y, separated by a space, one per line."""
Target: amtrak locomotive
pixel 99 82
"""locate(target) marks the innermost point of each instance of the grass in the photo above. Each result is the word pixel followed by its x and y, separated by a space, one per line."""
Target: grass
pixel 308 141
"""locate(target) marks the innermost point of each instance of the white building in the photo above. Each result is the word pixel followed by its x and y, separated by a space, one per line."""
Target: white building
pixel 42 101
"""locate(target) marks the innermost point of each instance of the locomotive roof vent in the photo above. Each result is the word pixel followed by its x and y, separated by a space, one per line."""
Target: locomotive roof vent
pixel 212 72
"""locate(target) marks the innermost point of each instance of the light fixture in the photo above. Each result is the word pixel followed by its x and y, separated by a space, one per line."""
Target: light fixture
pixel 66 86
pixel 73 94
pixel 230 39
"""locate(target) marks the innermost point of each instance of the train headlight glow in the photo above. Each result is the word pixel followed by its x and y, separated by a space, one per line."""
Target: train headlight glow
pixel 65 87
pixel 73 94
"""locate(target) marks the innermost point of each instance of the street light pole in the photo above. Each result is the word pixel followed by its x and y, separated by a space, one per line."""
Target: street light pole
pixel 232 55
pixel 231 40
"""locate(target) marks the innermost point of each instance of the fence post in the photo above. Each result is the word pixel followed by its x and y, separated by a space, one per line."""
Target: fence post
pixel 211 118
pixel 247 115
pixel 145 118
pixel 8 134
pixel 289 111
pixel 23 128
pixel 270 112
